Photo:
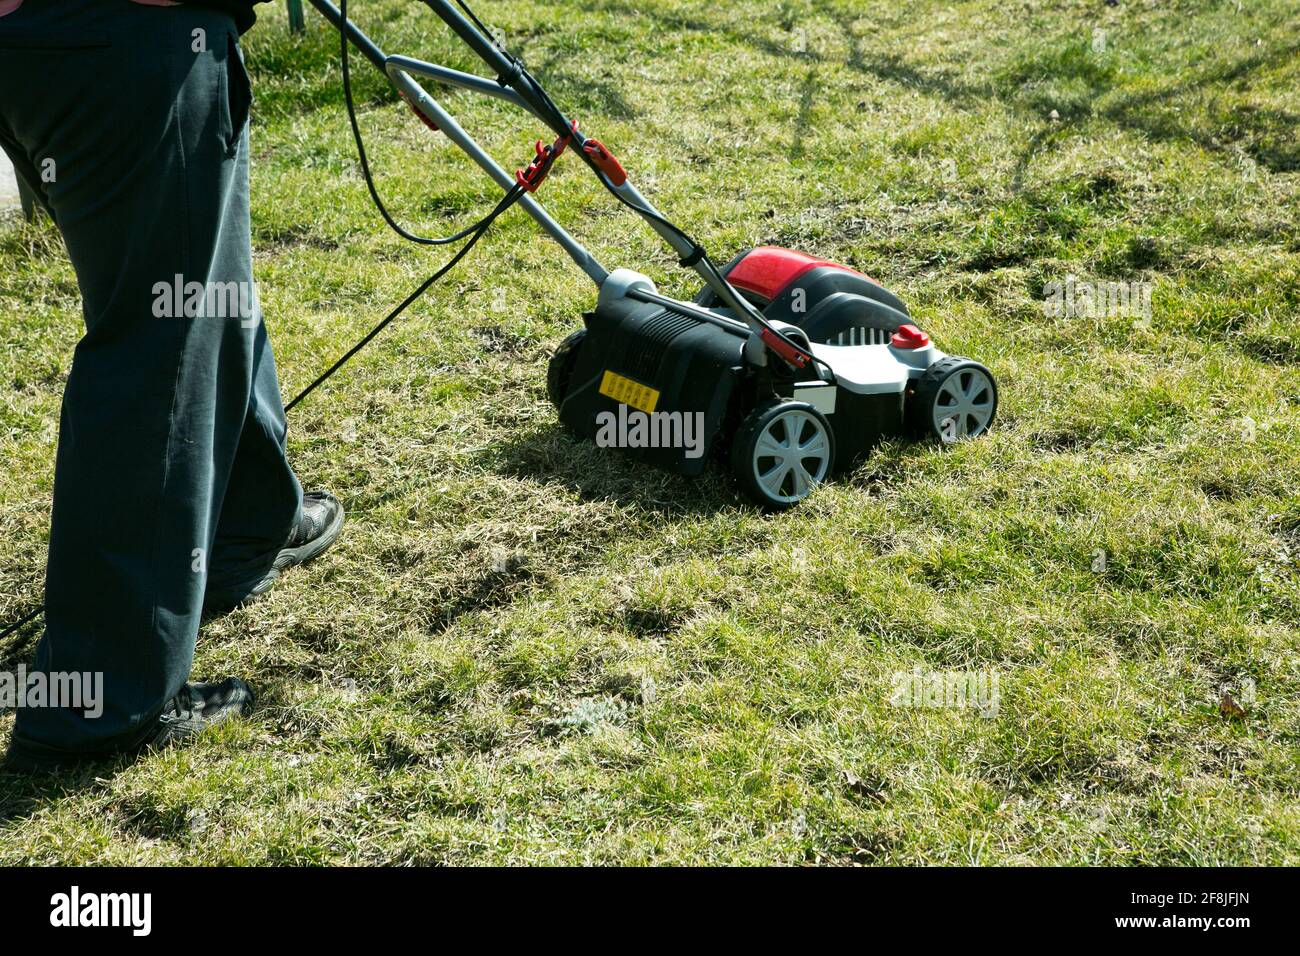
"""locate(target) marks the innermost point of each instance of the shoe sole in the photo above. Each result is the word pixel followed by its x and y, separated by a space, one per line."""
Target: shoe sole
pixel 286 559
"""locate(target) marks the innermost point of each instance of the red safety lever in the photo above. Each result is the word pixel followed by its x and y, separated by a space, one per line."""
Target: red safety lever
pixel 605 161
pixel 795 356
pixel 540 167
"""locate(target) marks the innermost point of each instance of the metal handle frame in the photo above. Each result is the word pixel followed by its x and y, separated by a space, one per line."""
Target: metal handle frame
pixel 511 89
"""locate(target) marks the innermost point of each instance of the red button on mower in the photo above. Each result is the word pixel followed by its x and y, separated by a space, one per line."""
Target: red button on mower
pixel 909 337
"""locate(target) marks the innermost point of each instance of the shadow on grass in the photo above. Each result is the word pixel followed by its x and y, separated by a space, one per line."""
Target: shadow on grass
pixel 1273 135
pixel 806 92
pixel 1270 134
pixel 595 474
pixel 873 62
pixel 583 94
pixel 493 589
pixel 553 455
pixel 24 794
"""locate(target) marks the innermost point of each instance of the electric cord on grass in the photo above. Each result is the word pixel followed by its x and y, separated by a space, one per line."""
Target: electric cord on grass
pixel 30 616
pixel 482 227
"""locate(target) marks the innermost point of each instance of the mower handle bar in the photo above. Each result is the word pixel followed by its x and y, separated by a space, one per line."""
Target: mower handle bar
pixel 511 89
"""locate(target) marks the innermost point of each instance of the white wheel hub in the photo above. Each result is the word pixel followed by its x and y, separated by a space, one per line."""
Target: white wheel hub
pixel 964 406
pixel 792 454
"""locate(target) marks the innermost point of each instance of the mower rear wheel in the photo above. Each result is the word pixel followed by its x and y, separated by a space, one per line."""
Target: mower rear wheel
pixel 559 373
pixel 782 450
pixel 955 399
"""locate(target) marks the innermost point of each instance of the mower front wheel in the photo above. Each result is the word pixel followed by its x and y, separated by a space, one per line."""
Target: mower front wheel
pixel 559 373
pixel 782 450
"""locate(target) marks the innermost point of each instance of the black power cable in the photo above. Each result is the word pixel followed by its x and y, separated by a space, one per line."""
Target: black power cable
pixel 365 163
pixel 31 615
pixel 510 199
pixel 483 29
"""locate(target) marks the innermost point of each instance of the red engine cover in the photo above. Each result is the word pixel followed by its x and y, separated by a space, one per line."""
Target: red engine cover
pixel 769 270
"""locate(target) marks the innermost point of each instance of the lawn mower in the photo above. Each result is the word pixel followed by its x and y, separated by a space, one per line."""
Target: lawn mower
pixel 790 365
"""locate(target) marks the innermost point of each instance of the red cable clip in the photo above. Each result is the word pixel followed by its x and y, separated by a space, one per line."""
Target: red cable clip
pixel 795 356
pixel 605 162
pixel 540 167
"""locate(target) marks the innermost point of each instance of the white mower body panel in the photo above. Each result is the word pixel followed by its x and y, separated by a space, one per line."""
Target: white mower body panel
pixel 875 369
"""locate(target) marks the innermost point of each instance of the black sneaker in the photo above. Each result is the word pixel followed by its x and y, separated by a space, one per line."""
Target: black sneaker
pixel 197 707
pixel 318 528
pixel 200 706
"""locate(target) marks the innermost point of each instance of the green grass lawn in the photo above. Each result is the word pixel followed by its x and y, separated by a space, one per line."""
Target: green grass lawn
pixel 525 650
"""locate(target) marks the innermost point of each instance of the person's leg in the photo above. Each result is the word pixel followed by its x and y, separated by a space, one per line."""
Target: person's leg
pixel 261 491
pixel 141 109
pixel 252 547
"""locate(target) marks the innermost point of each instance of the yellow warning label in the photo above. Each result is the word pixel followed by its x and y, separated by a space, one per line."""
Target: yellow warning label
pixel 630 393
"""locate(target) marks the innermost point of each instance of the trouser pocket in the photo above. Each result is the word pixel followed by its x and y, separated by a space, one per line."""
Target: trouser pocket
pixel 237 95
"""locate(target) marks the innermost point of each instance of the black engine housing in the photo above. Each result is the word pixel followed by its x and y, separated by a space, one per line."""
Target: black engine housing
pixel 694 367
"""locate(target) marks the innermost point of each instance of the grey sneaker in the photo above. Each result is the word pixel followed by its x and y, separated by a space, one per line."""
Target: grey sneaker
pixel 199 706
pixel 318 528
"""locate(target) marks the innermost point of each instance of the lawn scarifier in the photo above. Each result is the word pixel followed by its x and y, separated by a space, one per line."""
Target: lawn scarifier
pixel 787 363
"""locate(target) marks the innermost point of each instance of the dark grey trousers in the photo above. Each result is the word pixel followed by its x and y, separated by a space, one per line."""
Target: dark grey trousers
pixel 129 122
